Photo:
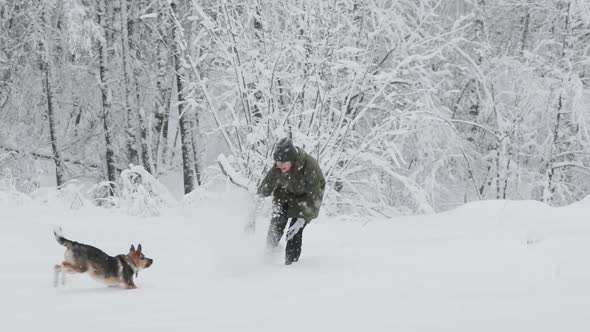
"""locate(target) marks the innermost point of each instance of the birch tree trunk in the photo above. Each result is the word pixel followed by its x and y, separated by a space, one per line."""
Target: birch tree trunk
pixel 106 97
pixel 188 164
pixel 253 87
pixel 131 140
pixel 146 155
pixel 135 34
pixel 162 100
pixel 525 30
pixel 50 97
pixel 195 140
pixel 563 131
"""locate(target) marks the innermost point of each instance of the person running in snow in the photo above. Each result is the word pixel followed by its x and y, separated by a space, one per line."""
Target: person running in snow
pixel 297 185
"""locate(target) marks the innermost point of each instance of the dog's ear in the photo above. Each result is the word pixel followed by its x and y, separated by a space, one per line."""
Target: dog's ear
pixel 132 249
pixel 139 247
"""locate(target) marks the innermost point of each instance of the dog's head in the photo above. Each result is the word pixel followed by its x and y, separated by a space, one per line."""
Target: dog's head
pixel 138 258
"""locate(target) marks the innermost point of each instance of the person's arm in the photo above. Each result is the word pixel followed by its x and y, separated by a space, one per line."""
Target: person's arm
pixel 314 183
pixel 268 184
pixel 314 190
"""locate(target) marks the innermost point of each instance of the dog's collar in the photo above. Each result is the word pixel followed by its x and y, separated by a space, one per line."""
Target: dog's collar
pixel 132 265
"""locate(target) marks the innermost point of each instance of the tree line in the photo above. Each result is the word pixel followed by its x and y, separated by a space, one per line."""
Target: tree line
pixel 410 106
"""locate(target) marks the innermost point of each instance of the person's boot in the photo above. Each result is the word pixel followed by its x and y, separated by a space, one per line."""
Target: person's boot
pixel 289 261
pixel 292 256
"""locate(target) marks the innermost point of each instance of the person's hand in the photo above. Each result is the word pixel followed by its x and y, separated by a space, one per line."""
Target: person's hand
pixel 294 228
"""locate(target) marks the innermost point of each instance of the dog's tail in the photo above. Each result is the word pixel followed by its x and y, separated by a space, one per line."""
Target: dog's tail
pixel 59 238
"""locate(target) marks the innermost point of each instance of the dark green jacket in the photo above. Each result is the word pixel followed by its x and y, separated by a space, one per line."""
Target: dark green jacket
pixel 302 187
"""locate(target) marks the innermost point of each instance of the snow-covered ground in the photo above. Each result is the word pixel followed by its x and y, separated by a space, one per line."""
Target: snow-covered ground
pixel 486 266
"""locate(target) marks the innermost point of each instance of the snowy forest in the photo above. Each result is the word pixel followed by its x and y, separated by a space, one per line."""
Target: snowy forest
pixel 410 106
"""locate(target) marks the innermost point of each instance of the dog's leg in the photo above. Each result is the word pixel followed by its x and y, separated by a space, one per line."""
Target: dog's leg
pixel 63 278
pixel 67 267
pixel 57 271
pixel 130 285
pixel 73 267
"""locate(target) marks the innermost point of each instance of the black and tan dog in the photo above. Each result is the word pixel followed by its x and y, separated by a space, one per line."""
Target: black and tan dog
pixel 117 270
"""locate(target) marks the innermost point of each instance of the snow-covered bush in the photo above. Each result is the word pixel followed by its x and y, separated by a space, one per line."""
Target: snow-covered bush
pixel 140 193
pixel 15 181
pixel 18 172
pixel 8 190
pixel 71 195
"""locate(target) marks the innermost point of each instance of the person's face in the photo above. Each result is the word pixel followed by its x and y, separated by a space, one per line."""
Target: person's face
pixel 284 166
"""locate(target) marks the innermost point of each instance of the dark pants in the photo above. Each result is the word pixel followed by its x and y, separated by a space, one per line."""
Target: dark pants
pixel 275 232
